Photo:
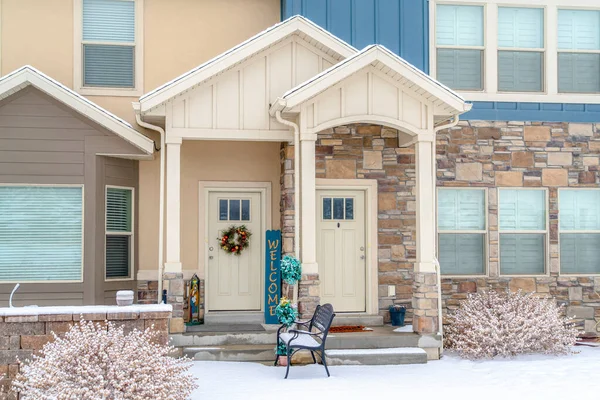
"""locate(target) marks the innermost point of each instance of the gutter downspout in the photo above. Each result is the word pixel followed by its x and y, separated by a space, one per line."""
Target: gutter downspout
pixel 436 129
pixel 161 204
pixel 293 125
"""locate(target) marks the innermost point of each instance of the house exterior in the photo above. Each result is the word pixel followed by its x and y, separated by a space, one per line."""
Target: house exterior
pixel 411 152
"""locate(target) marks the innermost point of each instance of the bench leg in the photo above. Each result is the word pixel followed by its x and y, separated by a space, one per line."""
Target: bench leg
pixel 287 369
pixel 325 362
pixel 312 353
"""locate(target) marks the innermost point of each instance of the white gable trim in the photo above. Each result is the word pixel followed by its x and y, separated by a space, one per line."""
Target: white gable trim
pixel 242 51
pixel 27 75
pixel 370 55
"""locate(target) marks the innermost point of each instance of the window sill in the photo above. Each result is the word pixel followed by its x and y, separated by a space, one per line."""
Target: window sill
pixel 89 91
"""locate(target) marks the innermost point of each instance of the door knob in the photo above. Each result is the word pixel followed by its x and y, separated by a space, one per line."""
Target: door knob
pixel 362 248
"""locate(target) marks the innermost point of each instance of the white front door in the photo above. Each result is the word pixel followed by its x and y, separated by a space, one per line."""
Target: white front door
pixel 341 252
pixel 234 282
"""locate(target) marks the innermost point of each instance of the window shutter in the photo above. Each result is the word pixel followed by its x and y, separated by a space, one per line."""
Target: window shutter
pixel 118 210
pixel 109 21
pixel 461 254
pixel 461 210
pixel 520 71
pixel 108 66
pixel 578 73
pixel 41 236
pixel 117 256
pixel 578 30
pixel 460 69
pixel 522 254
pixel 459 25
pixel 522 210
pixel 520 27
pixel 579 210
pixel 580 253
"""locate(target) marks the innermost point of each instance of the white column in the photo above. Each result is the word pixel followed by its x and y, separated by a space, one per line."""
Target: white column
pixel 424 150
pixel 308 204
pixel 173 212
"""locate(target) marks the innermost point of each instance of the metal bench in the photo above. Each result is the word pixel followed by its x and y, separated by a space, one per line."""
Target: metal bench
pixel 311 338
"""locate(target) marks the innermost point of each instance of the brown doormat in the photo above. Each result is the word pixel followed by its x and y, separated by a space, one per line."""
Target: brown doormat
pixel 348 328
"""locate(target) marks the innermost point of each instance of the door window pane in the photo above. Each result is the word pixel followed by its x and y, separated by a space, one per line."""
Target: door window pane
pixel 245 210
pixel 234 210
pixel 349 208
pixel 223 210
pixel 326 207
pixel 338 208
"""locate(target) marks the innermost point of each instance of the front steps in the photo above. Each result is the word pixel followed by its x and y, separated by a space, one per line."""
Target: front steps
pixel 380 346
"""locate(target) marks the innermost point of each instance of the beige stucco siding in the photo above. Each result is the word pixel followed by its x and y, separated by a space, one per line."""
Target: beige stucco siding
pixel 204 161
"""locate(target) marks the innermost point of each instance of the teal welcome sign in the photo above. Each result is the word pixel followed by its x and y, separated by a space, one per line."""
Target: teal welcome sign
pixel 273 276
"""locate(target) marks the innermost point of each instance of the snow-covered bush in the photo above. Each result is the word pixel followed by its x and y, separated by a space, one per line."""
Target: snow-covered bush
pixel 490 324
pixel 93 361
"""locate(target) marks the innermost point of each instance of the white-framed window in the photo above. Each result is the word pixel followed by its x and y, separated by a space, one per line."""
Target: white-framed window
pixel 523 231
pixel 119 232
pixel 578 51
pixel 462 231
pixel 41 233
pixel 459 41
pixel 108 47
pixel 521 46
pixel 579 231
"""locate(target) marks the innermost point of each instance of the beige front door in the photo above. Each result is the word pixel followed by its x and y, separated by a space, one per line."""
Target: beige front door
pixel 341 252
pixel 234 282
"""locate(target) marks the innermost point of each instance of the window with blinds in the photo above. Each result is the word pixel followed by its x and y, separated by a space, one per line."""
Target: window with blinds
pixel 579 226
pixel 459 46
pixel 523 229
pixel 119 232
pixel 41 233
pixel 578 51
pixel 520 49
pixel 108 43
pixel 461 231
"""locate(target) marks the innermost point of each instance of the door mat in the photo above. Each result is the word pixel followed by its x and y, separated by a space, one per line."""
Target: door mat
pixel 229 328
pixel 348 329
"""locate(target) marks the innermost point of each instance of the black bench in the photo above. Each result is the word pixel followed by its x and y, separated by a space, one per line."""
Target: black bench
pixel 311 338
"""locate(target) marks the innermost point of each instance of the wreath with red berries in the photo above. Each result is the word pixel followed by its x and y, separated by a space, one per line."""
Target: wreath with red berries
pixel 235 239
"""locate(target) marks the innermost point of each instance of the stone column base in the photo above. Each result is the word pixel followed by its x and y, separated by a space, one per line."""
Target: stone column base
pixel 425 303
pixel 308 295
pixel 174 285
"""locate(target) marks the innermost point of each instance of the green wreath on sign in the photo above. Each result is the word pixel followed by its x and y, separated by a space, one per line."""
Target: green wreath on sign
pixel 235 239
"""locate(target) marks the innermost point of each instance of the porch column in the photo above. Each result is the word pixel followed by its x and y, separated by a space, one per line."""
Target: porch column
pixel 425 298
pixel 308 288
pixel 172 273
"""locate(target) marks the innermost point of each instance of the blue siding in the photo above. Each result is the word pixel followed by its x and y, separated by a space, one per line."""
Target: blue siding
pixel 546 112
pixel 400 25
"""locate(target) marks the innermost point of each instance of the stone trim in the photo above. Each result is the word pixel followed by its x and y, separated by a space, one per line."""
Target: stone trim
pixel 308 295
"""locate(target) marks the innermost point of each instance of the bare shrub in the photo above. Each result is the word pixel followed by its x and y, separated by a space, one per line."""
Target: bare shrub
pixel 490 324
pixel 94 361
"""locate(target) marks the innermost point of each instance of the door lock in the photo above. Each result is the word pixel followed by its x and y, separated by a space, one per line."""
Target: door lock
pixel 210 248
pixel 362 257
pixel 210 257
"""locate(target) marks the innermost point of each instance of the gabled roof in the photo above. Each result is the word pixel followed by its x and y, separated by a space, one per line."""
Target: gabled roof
pixel 29 76
pixel 294 25
pixel 379 57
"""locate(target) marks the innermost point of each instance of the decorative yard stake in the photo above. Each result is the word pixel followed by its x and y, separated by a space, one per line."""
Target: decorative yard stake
pixel 273 276
pixel 194 305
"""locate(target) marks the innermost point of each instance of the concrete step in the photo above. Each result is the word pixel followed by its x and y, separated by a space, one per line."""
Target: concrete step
pixel 223 339
pixel 390 356
pixel 371 340
pixel 231 353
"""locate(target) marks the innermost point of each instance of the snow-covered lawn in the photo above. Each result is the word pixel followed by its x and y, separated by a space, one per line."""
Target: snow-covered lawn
pixel 526 377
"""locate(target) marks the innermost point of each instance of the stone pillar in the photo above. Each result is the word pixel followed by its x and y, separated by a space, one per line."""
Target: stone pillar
pixel 172 273
pixel 425 295
pixel 308 289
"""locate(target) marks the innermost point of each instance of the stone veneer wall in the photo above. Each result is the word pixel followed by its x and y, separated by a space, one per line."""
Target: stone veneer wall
pixel 496 154
pixel 368 152
pixel 24 331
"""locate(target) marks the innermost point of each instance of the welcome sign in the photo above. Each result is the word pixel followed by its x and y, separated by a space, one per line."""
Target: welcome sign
pixel 273 276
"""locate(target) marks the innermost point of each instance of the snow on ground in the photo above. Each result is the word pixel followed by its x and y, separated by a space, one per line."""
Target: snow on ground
pixel 526 377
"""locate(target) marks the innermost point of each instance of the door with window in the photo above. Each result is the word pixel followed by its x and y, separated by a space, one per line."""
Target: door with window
pixel 341 249
pixel 234 281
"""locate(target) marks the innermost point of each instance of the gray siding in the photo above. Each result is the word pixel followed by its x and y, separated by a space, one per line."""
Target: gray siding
pixel 44 142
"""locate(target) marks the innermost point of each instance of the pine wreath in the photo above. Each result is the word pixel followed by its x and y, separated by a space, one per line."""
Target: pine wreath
pixel 235 239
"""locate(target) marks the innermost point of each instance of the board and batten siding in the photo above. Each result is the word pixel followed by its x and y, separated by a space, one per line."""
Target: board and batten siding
pixel 239 98
pixel 44 142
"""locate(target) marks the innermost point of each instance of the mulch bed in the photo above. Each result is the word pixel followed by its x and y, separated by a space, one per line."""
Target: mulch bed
pixel 348 329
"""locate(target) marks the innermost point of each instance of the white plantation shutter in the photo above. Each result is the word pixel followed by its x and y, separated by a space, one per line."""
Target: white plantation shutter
pixel 109 43
pixel 522 254
pixel 461 209
pixel 578 30
pixel 522 209
pixel 461 254
pixel 460 26
pixel 579 210
pixel 41 236
pixel 119 231
pixel 580 253
pixel 520 28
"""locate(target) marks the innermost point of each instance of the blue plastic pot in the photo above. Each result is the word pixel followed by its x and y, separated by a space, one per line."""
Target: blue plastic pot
pixel 397 316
